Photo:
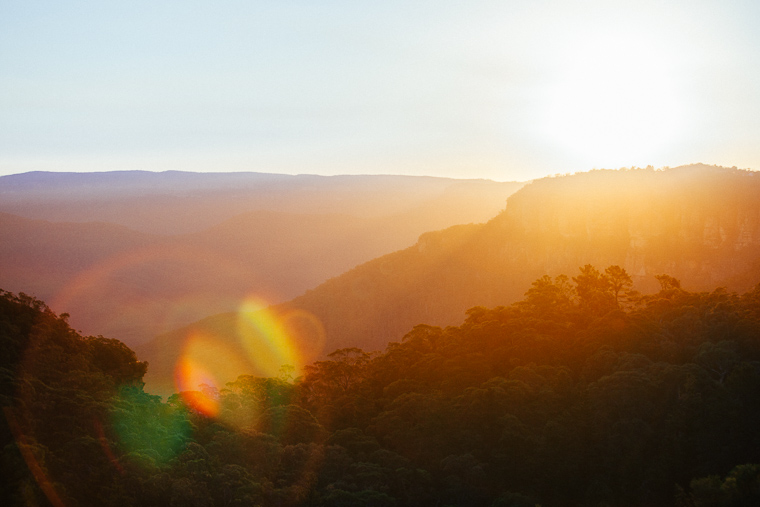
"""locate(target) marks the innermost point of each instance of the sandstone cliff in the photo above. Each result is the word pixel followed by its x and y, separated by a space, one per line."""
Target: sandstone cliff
pixel 698 223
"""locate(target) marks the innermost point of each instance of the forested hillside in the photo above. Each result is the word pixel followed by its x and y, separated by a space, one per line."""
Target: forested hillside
pixel 583 393
pixel 699 223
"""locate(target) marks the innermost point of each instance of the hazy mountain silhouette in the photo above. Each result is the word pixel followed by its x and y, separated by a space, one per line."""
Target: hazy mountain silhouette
pixel 134 254
pixel 700 224
pixel 175 202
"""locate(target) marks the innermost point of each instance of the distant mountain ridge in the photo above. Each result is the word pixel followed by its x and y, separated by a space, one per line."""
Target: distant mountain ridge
pixel 175 202
pixel 700 224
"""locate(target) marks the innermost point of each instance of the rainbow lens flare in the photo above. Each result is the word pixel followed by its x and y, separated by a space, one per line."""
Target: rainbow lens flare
pixel 256 341
pixel 204 361
pixel 305 330
pixel 264 338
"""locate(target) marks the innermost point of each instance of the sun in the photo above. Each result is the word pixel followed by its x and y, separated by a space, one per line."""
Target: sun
pixel 613 99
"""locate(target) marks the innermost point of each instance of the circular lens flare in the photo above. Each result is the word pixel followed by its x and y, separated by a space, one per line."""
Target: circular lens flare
pixel 199 367
pixel 190 374
pixel 261 346
pixel 265 338
pixel 307 331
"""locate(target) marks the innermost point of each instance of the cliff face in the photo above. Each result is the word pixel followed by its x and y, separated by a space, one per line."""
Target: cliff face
pixel 698 223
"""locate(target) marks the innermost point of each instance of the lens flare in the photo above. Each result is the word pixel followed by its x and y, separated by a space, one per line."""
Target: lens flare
pixel 88 294
pixel 148 433
pixel 307 331
pixel 201 402
pixel 202 357
pixel 190 375
pixel 265 338
pixel 103 441
pixel 26 448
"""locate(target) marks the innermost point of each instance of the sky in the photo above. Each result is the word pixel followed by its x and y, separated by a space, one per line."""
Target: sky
pixel 504 90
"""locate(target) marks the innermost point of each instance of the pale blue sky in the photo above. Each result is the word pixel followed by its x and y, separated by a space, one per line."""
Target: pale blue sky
pixel 508 90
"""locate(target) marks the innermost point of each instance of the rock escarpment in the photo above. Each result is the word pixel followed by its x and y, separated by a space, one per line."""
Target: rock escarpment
pixel 698 223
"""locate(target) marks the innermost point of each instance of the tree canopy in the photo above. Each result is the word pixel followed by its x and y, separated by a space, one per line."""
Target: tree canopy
pixel 583 394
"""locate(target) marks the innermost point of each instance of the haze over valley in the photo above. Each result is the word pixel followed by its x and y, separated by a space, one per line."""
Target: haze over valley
pixel 132 255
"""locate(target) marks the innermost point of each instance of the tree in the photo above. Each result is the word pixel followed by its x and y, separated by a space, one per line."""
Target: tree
pixel 343 371
pixel 667 282
pixel 594 290
pixel 330 387
pixel 546 294
pixel 290 424
pixel 740 488
pixel 618 280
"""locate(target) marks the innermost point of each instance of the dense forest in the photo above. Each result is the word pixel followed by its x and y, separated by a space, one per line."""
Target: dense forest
pixel 584 393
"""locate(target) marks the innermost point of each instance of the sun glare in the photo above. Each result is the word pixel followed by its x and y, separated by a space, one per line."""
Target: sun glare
pixel 204 360
pixel 266 340
pixel 614 99
pixel 191 374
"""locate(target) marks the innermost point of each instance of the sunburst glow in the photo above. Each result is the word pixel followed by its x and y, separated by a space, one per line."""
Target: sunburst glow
pixel 614 100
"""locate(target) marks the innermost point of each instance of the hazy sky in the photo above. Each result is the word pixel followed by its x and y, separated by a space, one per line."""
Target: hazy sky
pixel 508 90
